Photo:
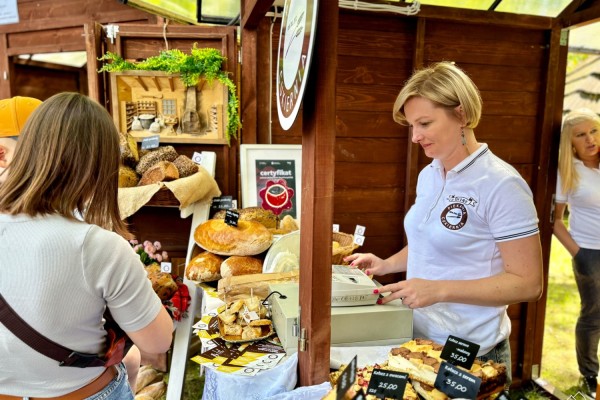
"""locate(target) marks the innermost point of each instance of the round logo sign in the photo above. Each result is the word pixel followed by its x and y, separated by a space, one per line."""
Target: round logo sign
pixel 294 56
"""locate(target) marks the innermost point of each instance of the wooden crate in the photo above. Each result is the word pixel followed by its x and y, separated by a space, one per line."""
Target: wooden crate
pixel 134 93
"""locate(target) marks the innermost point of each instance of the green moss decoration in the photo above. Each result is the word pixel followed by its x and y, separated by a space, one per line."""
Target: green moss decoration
pixel 205 63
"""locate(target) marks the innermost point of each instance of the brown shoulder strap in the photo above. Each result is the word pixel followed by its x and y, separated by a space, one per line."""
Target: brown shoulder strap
pixel 39 342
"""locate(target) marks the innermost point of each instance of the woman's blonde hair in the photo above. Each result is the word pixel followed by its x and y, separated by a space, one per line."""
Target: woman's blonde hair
pixel 445 85
pixel 566 168
pixel 66 161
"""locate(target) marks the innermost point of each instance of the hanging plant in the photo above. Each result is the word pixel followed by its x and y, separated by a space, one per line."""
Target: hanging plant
pixel 205 63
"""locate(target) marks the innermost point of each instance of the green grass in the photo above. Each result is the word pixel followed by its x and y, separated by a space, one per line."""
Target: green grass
pixel 559 365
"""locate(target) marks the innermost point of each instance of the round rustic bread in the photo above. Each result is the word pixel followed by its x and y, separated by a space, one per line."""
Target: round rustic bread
pixel 247 239
pixel 205 267
pixel 256 214
pixel 241 265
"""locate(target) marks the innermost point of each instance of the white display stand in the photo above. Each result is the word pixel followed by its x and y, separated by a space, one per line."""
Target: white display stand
pixel 183 331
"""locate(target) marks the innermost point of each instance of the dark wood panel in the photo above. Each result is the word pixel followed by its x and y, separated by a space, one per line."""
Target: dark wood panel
pixel 513 151
pixel 518 128
pixel 377 224
pixel 482 34
pixel 372 175
pixel 508 78
pixel 366 98
pixel 367 43
pixel 41 83
pixel 71 38
pixel 372 70
pixel 355 200
pixel 368 123
pixel 499 53
pixel 383 246
pixel 370 150
pixel 510 103
pixel 377 22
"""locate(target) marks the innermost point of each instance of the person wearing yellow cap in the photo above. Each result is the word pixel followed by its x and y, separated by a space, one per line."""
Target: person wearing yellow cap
pixel 13 115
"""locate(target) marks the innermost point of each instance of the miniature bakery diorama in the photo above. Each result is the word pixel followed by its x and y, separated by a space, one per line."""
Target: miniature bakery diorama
pixel 147 103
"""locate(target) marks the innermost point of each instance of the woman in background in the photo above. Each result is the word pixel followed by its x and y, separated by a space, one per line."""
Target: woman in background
pixel 64 256
pixel 578 186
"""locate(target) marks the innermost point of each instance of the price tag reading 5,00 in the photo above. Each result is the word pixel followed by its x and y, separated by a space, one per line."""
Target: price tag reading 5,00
pixel 387 384
pixel 457 383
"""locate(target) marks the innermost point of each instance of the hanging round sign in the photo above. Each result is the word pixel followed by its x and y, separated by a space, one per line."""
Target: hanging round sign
pixel 293 57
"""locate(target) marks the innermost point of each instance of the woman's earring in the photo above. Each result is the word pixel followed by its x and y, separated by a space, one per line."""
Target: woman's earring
pixel 462 137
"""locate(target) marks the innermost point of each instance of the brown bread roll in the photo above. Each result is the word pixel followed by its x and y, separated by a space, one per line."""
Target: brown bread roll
pixel 241 265
pixel 163 153
pixel 127 177
pixel 247 239
pixel 185 166
pixel 159 172
pixel 256 214
pixel 205 267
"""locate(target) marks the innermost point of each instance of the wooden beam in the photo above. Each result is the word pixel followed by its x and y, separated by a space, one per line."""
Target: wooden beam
pixel 570 9
pixel 253 11
pixel 582 17
pixel 318 141
pixel 4 68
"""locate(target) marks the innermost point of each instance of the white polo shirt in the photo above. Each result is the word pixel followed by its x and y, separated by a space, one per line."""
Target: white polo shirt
pixel 452 231
pixel 584 206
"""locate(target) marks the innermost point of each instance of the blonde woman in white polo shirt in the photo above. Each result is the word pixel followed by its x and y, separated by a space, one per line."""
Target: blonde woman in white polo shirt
pixel 473 239
pixel 578 185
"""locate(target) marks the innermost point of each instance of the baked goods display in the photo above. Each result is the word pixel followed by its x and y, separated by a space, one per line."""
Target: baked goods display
pixel 420 359
pixel 244 320
pixel 204 267
pixel 363 378
pixel 241 265
pixel 256 214
pixel 247 239
pixel 163 283
pixel 162 171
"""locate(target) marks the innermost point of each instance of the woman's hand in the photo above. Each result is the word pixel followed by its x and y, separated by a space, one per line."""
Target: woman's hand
pixel 414 293
pixel 370 263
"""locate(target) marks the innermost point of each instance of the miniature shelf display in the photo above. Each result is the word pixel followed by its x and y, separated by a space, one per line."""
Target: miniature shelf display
pixel 164 106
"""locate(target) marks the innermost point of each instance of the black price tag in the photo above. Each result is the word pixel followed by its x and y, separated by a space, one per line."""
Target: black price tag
pixel 150 142
pixel 220 203
pixel 231 217
pixel 457 383
pixel 346 379
pixel 387 384
pixel 460 352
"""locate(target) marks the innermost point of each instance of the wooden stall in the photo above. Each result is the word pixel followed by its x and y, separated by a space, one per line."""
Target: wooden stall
pixel 517 61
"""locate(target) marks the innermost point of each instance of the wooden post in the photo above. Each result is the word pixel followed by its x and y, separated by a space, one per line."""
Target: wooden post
pixel 318 140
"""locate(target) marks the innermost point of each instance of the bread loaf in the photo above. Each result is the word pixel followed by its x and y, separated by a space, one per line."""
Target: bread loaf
pixel 185 166
pixel 127 177
pixel 128 149
pixel 205 267
pixel 247 239
pixel 164 153
pixel 241 265
pixel 159 172
pixel 256 214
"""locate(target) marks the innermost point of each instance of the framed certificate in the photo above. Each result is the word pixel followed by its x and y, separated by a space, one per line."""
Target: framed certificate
pixel 272 177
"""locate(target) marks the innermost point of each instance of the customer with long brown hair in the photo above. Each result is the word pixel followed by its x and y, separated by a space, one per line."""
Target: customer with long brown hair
pixel 64 256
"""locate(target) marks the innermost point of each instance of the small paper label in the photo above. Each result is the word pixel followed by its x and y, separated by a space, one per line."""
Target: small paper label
pixel 197 158
pixel 150 142
pixel 336 227
pixel 457 383
pixel 360 230
pixel 387 384
pixel 459 352
pixel 250 316
pixel 359 240
pixel 234 204
pixel 231 218
pixel 346 379
pixel 220 203
pixel 165 267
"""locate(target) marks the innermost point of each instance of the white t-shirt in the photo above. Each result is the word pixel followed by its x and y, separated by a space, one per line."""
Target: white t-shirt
pixel 452 231
pixel 58 275
pixel 584 206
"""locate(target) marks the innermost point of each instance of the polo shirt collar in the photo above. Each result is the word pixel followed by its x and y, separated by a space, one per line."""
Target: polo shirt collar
pixel 466 163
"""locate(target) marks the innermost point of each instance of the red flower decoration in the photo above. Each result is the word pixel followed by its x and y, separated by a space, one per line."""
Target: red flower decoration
pixel 276 196
pixel 179 303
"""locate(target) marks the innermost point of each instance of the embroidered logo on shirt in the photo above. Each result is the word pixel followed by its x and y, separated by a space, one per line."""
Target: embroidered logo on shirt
pixel 454 216
pixel 463 200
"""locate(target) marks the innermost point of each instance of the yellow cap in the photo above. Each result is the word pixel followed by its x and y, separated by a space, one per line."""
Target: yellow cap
pixel 14 113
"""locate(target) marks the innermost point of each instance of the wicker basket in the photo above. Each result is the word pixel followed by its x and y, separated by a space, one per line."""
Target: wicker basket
pixel 346 247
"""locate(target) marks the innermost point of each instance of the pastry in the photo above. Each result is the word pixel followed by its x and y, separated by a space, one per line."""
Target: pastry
pixel 247 239
pixel 251 332
pixel 204 267
pixel 241 265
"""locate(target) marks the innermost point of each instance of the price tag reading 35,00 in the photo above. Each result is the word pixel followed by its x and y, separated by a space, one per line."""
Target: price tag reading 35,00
pixel 457 383
pixel 387 384
pixel 460 352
